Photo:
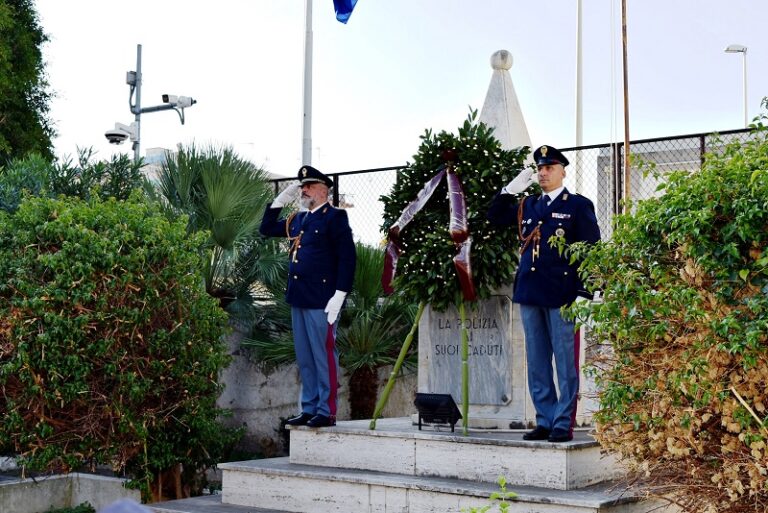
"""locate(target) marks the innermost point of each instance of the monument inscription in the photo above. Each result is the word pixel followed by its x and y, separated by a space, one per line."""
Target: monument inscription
pixel 490 364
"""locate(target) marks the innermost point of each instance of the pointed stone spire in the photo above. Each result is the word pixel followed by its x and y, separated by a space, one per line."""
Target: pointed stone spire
pixel 501 109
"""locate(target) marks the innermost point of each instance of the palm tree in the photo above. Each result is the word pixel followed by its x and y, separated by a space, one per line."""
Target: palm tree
pixel 372 331
pixel 226 195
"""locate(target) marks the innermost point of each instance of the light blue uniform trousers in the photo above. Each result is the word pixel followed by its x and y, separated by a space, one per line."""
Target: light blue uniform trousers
pixel 547 334
pixel 318 360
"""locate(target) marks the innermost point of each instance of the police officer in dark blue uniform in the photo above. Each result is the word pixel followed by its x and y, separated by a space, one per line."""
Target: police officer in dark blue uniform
pixel 320 274
pixel 546 281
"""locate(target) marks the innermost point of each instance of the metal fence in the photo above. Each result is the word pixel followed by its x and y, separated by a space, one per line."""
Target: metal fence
pixel 595 171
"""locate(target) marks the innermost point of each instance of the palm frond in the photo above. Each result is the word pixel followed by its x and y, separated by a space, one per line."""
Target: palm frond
pixel 224 195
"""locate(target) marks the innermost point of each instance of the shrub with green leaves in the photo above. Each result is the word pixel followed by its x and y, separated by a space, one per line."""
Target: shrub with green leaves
pixel 110 349
pixel 684 386
pixel 36 176
pixel 426 271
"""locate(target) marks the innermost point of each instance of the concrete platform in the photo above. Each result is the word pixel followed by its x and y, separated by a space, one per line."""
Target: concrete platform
pixel 399 469
pixel 398 447
pixel 278 484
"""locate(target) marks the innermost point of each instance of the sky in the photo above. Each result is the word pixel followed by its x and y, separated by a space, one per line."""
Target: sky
pixel 397 68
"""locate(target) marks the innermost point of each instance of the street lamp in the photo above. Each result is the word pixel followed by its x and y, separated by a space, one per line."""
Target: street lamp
pixel 743 51
pixel 123 132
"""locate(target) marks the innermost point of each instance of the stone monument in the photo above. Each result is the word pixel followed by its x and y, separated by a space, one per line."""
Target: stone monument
pixel 498 389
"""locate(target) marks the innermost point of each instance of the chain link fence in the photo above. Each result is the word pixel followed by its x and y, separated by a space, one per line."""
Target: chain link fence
pixel 595 171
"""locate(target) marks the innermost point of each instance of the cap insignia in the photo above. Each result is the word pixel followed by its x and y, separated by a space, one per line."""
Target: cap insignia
pixel 544 151
pixel 304 172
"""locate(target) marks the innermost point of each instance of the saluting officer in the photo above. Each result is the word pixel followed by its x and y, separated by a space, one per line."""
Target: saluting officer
pixel 321 270
pixel 546 281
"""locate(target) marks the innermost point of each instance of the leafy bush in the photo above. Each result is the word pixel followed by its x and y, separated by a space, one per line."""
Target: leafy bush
pixel 426 271
pixel 683 388
pixel 110 349
pixel 36 176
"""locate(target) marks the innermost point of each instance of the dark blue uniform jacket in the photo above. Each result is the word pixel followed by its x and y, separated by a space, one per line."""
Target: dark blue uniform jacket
pixel 323 260
pixel 548 279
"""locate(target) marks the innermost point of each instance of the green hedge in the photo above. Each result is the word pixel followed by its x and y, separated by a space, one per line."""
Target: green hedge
pixel 110 349
pixel 685 278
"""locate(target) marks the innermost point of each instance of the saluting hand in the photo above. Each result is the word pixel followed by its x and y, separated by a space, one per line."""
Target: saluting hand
pixel 520 183
pixel 288 195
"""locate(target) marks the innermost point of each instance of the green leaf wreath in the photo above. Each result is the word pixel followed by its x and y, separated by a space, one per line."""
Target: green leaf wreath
pixel 426 271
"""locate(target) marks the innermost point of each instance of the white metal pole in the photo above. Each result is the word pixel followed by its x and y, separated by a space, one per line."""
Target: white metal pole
pixel 578 75
pixel 137 142
pixel 744 78
pixel 579 96
pixel 306 147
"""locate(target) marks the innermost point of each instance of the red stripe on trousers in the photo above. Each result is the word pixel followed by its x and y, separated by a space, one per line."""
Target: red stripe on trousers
pixel 330 345
pixel 577 350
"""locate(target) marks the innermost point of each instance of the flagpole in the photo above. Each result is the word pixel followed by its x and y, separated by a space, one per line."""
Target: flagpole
pixel 627 153
pixel 579 97
pixel 306 146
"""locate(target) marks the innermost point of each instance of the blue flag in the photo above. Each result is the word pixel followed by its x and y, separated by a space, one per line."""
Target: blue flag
pixel 344 9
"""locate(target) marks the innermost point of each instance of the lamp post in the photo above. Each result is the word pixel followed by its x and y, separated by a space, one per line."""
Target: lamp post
pixel 743 51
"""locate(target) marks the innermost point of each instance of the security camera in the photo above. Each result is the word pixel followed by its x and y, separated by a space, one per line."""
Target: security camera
pixel 180 102
pixel 120 133
pixel 117 136
pixel 185 101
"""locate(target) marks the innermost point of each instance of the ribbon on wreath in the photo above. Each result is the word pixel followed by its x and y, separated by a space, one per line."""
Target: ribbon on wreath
pixel 457 226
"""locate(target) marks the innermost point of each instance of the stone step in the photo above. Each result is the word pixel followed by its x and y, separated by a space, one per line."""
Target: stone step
pixel 204 504
pixel 279 484
pixel 398 447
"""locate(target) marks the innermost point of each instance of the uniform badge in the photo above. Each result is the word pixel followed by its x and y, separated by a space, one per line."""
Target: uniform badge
pixel 558 215
pixel 544 151
pixel 304 172
pixel 559 232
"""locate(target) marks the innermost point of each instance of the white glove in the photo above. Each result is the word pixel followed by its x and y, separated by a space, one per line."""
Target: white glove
pixel 520 183
pixel 288 195
pixel 334 306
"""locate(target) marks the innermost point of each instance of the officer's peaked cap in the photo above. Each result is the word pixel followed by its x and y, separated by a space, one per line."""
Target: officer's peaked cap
pixel 545 155
pixel 308 174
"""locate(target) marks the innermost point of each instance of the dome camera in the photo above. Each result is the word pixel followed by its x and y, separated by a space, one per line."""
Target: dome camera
pixel 120 133
pixel 116 136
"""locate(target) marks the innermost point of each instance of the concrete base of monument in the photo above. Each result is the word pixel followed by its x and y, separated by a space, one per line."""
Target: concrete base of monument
pixel 396 468
pixel 480 418
pixel 396 446
pixel 478 421
pixel 497 370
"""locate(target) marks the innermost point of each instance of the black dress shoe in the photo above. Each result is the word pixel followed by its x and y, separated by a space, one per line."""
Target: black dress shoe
pixel 321 421
pixel 540 433
pixel 559 436
pixel 300 420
